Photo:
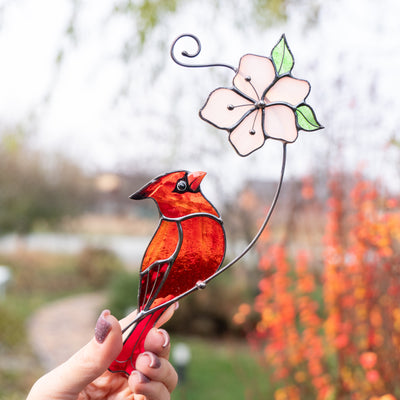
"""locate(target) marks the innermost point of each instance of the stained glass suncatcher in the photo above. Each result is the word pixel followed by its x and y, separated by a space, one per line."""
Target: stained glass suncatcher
pixel 188 247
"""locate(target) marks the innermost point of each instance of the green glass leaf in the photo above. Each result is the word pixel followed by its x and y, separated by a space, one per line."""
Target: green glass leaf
pixel 306 118
pixel 282 57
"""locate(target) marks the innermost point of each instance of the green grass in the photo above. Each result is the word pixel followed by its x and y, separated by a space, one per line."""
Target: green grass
pixel 222 370
pixel 19 367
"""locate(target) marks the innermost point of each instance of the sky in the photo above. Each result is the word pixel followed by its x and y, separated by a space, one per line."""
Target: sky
pixel 112 115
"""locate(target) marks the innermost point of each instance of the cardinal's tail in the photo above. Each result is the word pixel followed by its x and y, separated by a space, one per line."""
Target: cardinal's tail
pixel 134 343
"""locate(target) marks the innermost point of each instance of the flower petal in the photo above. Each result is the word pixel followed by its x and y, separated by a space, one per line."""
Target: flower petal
pixel 280 123
pixel 259 70
pixel 289 90
pixel 248 135
pixel 224 108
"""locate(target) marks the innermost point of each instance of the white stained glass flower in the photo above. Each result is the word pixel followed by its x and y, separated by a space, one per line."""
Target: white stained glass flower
pixel 264 102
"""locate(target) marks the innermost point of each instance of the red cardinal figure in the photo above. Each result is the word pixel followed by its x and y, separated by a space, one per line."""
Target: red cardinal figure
pixel 187 248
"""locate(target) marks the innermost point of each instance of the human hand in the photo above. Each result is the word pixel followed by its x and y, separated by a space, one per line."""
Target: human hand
pixel 85 374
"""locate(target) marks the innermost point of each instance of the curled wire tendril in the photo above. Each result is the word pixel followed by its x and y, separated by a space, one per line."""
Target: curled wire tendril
pixel 185 53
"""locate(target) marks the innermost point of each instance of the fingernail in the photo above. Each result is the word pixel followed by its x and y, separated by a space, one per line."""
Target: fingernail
pixel 165 335
pixel 103 327
pixel 176 305
pixel 154 361
pixel 141 378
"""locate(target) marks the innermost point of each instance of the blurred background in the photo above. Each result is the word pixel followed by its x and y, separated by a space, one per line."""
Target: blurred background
pixel 92 107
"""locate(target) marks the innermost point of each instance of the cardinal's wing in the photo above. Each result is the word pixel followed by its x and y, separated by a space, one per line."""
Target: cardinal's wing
pixel 157 262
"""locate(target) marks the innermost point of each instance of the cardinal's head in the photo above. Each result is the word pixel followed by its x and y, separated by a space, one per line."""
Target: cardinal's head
pixel 177 194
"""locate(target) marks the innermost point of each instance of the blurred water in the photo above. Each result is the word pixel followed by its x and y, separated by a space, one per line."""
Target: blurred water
pixel 129 248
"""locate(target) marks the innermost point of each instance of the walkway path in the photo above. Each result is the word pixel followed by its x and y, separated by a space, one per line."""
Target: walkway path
pixel 59 329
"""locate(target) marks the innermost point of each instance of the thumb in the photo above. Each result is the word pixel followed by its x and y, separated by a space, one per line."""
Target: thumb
pixel 69 379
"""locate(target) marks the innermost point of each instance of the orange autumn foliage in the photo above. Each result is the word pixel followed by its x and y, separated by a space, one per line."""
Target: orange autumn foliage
pixel 335 334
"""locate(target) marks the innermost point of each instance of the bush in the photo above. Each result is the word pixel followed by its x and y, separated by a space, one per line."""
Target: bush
pixel 123 290
pixel 97 265
pixel 209 312
pixel 344 344
pixel 36 273
pixel 12 327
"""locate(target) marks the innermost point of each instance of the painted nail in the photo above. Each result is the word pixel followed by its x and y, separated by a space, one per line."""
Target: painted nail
pixel 141 378
pixel 154 361
pixel 165 335
pixel 103 327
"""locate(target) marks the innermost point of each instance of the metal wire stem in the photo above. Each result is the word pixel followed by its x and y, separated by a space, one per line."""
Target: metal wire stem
pixel 264 224
pixel 201 285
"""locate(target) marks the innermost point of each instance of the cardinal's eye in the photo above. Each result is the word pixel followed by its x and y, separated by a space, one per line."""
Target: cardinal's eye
pixel 181 186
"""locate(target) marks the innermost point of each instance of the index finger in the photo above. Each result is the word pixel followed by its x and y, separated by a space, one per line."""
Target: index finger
pixel 169 312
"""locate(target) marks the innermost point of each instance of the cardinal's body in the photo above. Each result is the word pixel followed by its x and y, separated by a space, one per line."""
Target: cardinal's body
pixel 186 249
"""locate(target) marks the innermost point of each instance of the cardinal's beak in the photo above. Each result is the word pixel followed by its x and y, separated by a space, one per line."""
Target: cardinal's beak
pixel 194 179
pixel 142 193
pixel 139 195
